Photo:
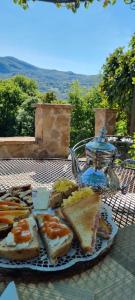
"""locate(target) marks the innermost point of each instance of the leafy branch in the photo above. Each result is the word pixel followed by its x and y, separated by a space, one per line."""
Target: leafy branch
pixel 74 4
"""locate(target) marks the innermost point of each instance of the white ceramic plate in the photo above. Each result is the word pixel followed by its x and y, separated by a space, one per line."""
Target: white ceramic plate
pixel 75 254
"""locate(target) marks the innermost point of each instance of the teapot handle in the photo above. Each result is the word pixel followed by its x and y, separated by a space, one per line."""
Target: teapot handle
pixel 75 164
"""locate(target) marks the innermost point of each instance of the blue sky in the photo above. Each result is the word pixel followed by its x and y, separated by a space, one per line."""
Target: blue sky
pixel 54 38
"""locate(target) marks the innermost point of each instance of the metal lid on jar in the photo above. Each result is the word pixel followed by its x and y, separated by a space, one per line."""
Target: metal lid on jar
pixel 99 144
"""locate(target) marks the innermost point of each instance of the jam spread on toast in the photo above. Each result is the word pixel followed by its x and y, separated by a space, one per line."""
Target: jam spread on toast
pixel 53 227
pixel 9 203
pixel 21 232
pixel 6 220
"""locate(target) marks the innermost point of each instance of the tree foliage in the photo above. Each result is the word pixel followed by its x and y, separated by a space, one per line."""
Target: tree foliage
pixel 27 85
pixel 131 151
pixel 11 98
pixel 118 81
pixel 26 117
pixel 48 97
pixel 116 89
pixel 15 95
pixel 74 4
pixel 83 101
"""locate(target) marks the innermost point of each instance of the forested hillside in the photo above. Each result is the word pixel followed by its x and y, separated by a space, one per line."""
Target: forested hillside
pixel 115 90
pixel 57 81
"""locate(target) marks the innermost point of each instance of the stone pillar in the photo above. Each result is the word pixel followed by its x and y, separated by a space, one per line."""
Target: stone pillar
pixel 105 117
pixel 52 128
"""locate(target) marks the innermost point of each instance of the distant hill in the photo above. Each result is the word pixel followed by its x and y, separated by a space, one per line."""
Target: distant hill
pixel 58 81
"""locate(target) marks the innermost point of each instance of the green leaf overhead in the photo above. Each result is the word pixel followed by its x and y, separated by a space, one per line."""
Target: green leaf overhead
pixel 74 4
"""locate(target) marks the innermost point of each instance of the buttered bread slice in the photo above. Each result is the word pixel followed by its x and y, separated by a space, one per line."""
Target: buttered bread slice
pixel 8 217
pixel 62 188
pixel 56 236
pixel 82 212
pixel 21 243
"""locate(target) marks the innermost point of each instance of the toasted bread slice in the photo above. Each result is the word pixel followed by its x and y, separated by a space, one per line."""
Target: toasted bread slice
pixel 56 245
pixel 15 190
pixel 18 194
pixel 62 189
pixel 8 204
pixel 104 229
pixel 20 251
pixel 11 253
pixel 23 192
pixel 13 214
pixel 4 229
pixel 59 213
pixel 82 212
pixel 8 217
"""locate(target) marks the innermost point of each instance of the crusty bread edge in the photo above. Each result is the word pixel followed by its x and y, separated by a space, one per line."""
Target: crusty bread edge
pixel 24 187
pixel 56 198
pixel 60 250
pixel 95 198
pixel 78 236
pixel 57 251
pixel 66 211
pixel 21 254
pixel 4 232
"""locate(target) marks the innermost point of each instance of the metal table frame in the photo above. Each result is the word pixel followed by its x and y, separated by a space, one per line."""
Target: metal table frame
pixel 44 172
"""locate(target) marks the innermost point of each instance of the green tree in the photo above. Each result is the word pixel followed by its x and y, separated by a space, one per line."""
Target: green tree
pixel 47 97
pixel 27 85
pixel 26 117
pixel 83 117
pixel 11 98
pixel 78 112
pixel 117 83
pixel 131 151
pixel 16 113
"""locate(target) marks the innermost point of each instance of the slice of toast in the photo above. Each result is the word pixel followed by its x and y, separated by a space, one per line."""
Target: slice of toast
pixel 62 189
pixel 4 229
pixel 23 192
pixel 16 190
pixel 104 229
pixel 8 217
pixel 8 204
pixel 82 212
pixel 18 194
pixel 20 251
pixel 14 214
pixel 56 245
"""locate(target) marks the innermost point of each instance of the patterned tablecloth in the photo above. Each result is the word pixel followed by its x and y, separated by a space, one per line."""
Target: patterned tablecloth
pixel 112 277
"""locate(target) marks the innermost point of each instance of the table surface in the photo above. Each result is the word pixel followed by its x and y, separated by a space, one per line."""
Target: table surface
pixel 112 277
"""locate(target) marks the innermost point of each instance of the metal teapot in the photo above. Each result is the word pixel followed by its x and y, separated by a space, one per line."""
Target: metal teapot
pixel 98 171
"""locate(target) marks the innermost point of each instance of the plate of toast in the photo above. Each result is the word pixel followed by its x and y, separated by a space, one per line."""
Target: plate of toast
pixel 52 230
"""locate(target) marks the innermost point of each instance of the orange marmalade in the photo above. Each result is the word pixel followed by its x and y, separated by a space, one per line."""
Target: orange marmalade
pixel 21 232
pixel 9 203
pixel 53 227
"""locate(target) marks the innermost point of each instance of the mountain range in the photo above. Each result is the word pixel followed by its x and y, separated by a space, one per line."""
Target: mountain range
pixel 46 79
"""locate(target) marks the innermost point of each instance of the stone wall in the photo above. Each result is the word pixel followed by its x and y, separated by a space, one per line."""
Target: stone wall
pixel 52 135
pixel 105 117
